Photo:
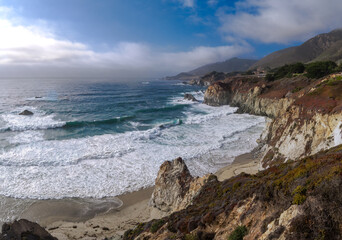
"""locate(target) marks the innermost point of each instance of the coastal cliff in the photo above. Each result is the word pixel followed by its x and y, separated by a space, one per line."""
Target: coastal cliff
pixel 294 200
pixel 304 115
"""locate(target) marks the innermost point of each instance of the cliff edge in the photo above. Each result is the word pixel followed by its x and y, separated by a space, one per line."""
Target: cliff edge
pixel 294 200
pixel 304 114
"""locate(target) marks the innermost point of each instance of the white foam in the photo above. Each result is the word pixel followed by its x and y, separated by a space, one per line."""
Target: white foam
pixel 38 121
pixel 27 137
pixel 111 164
pixel 207 113
pixel 199 95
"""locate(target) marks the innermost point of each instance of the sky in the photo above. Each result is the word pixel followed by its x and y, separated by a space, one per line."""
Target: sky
pixel 150 38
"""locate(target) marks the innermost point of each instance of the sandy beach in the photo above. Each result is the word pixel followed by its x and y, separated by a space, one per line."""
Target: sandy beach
pixel 110 220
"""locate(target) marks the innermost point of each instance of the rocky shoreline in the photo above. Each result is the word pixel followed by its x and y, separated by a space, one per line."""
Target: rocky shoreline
pixel 298 196
pixel 135 209
pixel 305 114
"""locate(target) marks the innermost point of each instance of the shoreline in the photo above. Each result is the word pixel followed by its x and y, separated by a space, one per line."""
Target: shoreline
pixel 114 222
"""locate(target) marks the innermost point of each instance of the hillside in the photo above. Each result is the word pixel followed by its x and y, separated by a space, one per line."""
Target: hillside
pixel 327 46
pixel 294 200
pixel 231 65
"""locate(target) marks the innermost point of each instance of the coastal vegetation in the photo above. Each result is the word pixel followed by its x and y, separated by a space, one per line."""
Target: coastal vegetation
pixel 312 182
pixel 238 233
pixel 311 70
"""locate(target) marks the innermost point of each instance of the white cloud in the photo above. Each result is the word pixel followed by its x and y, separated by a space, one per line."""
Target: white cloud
pixel 188 3
pixel 29 45
pixel 279 21
pixel 212 3
pixel 38 49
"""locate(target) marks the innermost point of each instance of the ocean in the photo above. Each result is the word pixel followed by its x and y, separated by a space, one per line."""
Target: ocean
pixel 96 139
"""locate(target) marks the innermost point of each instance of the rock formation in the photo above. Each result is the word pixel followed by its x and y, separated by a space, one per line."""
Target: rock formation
pixel 305 115
pixel 190 97
pixel 24 229
pixel 26 113
pixel 294 201
pixel 175 187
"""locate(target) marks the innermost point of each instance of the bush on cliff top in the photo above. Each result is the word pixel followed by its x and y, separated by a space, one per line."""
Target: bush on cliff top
pixel 285 71
pixel 320 69
pixel 313 70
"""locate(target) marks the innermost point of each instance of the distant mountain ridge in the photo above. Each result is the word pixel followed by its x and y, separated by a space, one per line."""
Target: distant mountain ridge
pixel 323 47
pixel 230 65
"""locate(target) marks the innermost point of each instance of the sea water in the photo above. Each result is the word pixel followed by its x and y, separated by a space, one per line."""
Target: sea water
pixel 95 139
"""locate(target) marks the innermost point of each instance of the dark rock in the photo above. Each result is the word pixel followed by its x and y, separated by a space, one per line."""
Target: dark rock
pixel 192 224
pixel 208 218
pixel 24 229
pixel 26 113
pixel 205 235
pixel 182 226
pixel 190 97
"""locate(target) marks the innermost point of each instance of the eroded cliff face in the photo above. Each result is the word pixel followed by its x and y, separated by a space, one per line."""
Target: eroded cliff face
pixel 175 188
pixel 294 200
pixel 305 115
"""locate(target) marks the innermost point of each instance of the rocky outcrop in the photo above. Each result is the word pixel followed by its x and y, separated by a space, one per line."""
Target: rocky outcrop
pixel 175 187
pixel 208 79
pixel 26 113
pixel 305 115
pixel 218 94
pixel 24 229
pixel 294 201
pixel 190 97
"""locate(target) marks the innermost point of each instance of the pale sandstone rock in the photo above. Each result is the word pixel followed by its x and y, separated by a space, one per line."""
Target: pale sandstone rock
pixel 283 221
pixel 288 135
pixel 175 188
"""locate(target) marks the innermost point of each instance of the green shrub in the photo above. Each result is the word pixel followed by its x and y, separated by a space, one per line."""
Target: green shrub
pixel 270 77
pixel 334 81
pixel 297 89
pixel 320 69
pixel 133 232
pixel 191 237
pixel 156 225
pixel 236 186
pixel 298 199
pixel 299 195
pixel 339 68
pixel 238 233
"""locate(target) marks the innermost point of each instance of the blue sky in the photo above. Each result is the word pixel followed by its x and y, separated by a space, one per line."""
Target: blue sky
pixel 151 37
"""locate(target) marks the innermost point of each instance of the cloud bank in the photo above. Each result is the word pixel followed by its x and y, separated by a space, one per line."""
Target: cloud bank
pixel 279 21
pixel 39 50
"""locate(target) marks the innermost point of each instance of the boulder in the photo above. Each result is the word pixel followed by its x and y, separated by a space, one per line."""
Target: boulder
pixel 175 188
pixel 24 229
pixel 190 97
pixel 26 113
